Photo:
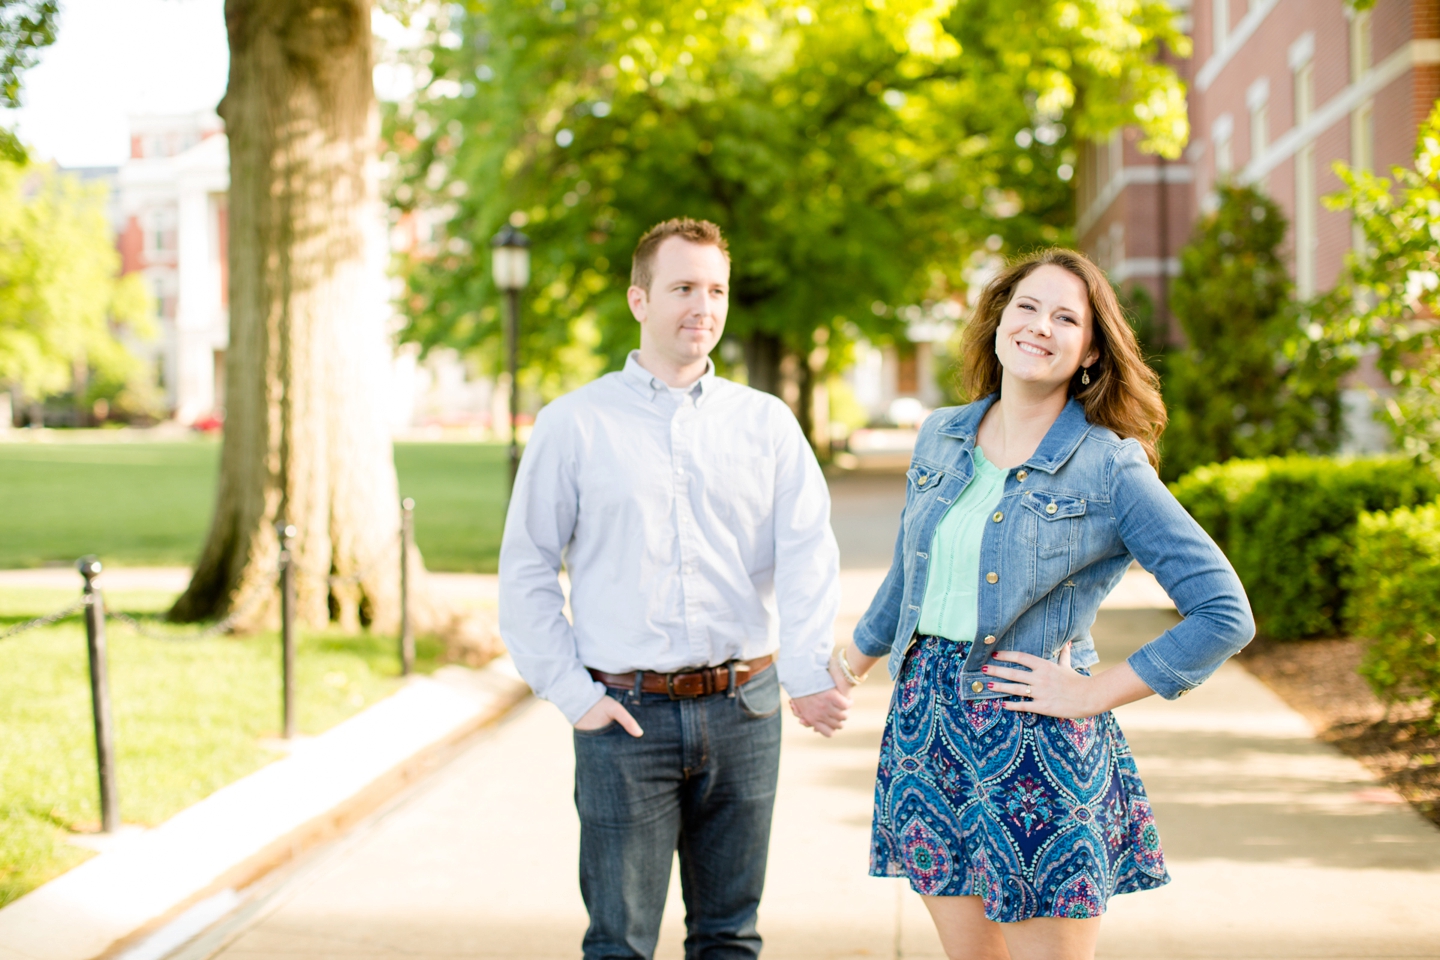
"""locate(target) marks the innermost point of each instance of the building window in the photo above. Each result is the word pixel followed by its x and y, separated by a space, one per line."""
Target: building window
pixel 1220 21
pixel 161 232
pixel 1301 62
pixel 1304 94
pixel 1359 45
pixel 1362 120
pixel 1362 157
pixel 1305 221
pixel 1222 132
pixel 1257 98
pixel 1362 137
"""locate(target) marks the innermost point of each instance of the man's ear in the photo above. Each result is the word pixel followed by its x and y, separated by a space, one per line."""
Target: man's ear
pixel 639 300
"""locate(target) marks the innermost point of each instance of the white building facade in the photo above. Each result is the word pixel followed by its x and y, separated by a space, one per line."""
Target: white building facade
pixel 173 208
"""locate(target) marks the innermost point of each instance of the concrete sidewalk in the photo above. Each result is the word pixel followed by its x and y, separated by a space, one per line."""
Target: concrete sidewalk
pixel 1280 847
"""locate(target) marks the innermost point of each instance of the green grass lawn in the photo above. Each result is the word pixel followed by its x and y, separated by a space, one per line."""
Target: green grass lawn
pixel 190 717
pixel 149 503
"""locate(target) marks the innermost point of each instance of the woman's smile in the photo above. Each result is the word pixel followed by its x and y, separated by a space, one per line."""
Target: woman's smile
pixel 1025 346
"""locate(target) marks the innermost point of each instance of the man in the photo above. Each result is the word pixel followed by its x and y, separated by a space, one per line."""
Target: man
pixel 694 523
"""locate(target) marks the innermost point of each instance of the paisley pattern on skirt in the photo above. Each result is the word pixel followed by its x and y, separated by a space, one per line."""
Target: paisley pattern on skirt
pixel 1040 817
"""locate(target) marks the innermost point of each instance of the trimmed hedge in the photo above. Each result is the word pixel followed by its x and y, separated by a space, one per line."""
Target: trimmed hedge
pixel 1211 493
pixel 1288 525
pixel 1395 603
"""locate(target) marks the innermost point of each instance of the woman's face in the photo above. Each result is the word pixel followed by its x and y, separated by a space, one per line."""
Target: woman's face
pixel 1046 332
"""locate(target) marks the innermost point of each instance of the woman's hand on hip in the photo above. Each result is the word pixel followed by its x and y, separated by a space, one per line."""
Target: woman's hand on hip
pixel 1057 689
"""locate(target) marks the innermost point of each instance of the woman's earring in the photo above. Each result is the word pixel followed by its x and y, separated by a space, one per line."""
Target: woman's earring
pixel 1085 376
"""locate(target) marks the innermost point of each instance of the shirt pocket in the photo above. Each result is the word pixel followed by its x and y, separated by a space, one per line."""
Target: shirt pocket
pixel 1052 522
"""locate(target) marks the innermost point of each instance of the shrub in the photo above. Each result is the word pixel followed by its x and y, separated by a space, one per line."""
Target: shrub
pixel 1293 534
pixel 1395 603
pixel 1211 493
pixel 1248 383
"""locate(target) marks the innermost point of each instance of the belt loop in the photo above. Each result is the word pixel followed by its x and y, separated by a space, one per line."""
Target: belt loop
pixel 639 679
pixel 730 690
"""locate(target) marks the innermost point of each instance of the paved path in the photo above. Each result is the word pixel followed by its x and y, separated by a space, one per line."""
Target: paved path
pixel 1279 846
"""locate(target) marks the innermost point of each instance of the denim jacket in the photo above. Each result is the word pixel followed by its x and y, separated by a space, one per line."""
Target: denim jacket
pixel 1071 519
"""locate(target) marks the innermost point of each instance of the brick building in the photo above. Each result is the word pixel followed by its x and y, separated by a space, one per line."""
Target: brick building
pixel 1279 91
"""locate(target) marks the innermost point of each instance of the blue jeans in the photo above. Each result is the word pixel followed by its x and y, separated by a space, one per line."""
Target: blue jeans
pixel 701 781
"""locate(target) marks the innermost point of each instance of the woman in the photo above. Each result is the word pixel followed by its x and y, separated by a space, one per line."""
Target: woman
pixel 1006 792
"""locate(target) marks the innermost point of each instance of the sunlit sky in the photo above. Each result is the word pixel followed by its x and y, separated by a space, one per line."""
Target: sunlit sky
pixel 114 58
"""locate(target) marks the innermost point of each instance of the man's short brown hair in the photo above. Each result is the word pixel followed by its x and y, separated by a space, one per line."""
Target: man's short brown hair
pixel 642 265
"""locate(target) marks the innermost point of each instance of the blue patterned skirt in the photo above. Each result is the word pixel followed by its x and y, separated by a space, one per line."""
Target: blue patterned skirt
pixel 1039 817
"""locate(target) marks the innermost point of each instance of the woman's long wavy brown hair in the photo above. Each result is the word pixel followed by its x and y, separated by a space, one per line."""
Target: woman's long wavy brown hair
pixel 1123 393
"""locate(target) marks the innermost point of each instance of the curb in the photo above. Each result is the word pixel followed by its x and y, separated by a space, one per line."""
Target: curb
pixel 246 829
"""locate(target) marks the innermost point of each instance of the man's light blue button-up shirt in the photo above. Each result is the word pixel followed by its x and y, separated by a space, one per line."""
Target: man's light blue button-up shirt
pixel 695 529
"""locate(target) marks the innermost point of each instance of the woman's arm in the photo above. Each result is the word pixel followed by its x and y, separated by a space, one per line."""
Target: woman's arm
pixel 1216 622
pixel 857 660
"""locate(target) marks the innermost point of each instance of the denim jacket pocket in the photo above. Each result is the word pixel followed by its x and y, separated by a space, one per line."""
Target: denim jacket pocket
pixel 1052 523
pixel 922 478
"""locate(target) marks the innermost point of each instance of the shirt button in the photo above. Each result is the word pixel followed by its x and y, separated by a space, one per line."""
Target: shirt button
pixel 998 516
pixel 1022 475
pixel 990 639
pixel 977 686
pixel 992 578
pixel 1051 508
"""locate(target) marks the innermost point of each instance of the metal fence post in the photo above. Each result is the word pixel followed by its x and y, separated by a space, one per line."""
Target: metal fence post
pixel 407 540
pixel 287 624
pixel 100 695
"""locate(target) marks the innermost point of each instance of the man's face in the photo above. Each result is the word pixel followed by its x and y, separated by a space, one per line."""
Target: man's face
pixel 683 314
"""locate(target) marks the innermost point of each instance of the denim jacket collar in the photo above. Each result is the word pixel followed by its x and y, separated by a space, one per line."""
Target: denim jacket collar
pixel 1061 440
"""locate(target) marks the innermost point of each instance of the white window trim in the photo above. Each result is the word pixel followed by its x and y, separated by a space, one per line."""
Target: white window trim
pixel 1124 177
pixel 1302 51
pixel 1132 267
pixel 1239 36
pixel 1414 53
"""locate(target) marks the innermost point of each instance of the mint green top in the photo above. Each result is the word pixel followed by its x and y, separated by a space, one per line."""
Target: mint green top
pixel 951 605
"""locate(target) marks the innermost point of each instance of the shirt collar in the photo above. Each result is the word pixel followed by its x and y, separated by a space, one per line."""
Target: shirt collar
pixel 1060 441
pixel 650 386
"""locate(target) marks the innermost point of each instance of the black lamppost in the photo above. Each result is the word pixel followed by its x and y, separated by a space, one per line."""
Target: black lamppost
pixel 511 268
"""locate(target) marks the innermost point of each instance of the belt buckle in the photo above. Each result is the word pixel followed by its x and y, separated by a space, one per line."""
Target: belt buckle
pixel 707 683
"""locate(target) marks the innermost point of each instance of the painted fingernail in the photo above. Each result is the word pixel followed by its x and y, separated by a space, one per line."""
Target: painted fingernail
pixel 990 685
pixel 985 669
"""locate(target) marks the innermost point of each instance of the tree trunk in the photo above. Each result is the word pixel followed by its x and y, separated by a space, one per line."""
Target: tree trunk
pixel 763 353
pixel 306 441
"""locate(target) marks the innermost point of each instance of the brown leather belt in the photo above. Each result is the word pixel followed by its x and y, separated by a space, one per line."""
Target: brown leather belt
pixel 687 684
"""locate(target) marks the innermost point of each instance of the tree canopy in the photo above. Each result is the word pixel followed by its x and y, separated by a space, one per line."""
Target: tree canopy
pixel 62 301
pixel 1389 296
pixel 26 27
pixel 854 152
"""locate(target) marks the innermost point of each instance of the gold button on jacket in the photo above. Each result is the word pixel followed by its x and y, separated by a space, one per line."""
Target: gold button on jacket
pixel 998 516
pixel 990 639
pixel 992 578
pixel 977 686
